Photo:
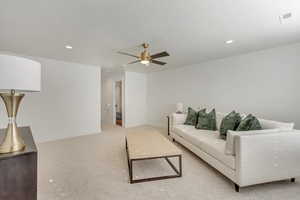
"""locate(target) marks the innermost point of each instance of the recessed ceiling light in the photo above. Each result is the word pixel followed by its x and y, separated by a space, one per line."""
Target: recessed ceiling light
pixel 286 17
pixel 68 47
pixel 229 41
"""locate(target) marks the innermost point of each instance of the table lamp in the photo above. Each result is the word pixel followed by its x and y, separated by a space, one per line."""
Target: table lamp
pixel 179 108
pixel 18 75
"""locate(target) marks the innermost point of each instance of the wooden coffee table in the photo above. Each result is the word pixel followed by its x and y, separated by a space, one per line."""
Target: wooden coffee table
pixel 147 145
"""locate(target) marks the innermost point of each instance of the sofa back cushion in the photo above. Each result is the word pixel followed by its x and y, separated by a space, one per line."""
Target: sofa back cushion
pixel 268 124
pixel 177 119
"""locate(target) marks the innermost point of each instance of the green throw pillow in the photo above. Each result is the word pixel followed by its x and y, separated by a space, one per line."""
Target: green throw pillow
pixel 229 122
pixel 207 121
pixel 191 118
pixel 249 123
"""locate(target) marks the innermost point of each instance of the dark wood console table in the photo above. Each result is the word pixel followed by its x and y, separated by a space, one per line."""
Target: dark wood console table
pixel 18 171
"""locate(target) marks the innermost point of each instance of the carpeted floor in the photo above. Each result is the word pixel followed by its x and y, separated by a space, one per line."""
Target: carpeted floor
pixel 95 167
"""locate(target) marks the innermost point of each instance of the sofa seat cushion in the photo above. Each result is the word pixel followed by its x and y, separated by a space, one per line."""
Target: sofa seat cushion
pixel 207 141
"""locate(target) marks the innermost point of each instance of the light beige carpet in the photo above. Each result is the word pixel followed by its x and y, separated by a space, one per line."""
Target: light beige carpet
pixel 95 167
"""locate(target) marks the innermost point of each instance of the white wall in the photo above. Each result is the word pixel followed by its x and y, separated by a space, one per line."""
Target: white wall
pixel 265 83
pixel 67 106
pixel 108 79
pixel 135 99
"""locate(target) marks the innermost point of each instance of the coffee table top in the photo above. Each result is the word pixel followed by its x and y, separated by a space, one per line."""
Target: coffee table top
pixel 149 144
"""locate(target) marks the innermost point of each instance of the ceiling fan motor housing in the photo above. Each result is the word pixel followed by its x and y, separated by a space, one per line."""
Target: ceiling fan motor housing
pixel 145 55
pixel 145 45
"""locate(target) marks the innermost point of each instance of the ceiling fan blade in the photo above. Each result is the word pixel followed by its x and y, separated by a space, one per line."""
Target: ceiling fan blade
pixel 158 62
pixel 136 61
pixel 127 54
pixel 159 55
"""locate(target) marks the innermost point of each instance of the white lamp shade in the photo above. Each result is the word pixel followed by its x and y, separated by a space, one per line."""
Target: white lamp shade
pixel 20 74
pixel 179 107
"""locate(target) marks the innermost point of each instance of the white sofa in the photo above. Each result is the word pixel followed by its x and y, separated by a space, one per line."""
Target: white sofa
pixel 259 157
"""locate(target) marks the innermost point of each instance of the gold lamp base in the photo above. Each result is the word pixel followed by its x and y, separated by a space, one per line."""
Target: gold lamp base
pixel 12 141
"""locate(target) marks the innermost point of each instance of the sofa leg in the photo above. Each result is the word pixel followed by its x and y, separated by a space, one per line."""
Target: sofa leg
pixel 173 139
pixel 237 188
pixel 293 180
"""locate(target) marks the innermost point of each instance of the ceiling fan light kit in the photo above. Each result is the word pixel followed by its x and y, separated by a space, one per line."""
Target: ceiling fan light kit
pixel 145 58
pixel 145 62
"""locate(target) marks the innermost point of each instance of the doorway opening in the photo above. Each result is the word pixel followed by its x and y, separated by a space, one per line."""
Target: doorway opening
pixel 112 99
pixel 118 115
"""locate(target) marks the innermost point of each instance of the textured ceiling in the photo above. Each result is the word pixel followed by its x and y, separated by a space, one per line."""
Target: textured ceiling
pixel 191 31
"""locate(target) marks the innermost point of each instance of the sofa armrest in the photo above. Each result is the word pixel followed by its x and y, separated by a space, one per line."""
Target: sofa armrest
pixel 267 157
pixel 177 119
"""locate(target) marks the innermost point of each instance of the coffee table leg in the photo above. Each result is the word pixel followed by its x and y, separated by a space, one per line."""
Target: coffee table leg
pixel 129 161
pixel 179 170
pixel 130 171
pixel 180 165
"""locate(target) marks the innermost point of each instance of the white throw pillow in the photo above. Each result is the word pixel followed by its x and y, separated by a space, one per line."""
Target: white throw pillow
pixel 269 124
pixel 219 119
pixel 231 135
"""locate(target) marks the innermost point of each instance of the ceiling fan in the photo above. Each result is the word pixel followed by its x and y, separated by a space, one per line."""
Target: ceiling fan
pixel 145 57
